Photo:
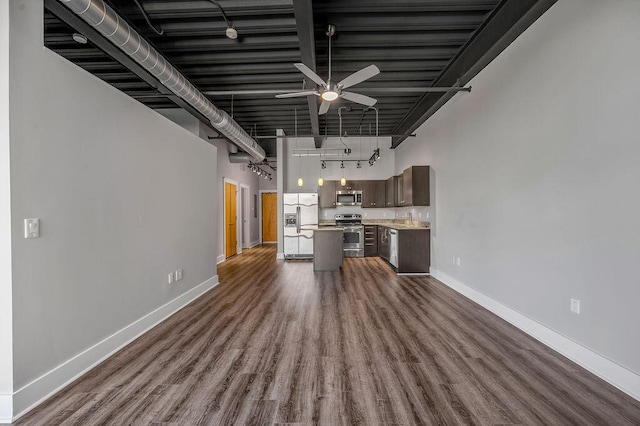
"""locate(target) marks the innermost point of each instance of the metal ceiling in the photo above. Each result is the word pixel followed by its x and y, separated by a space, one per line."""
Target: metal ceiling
pixel 415 43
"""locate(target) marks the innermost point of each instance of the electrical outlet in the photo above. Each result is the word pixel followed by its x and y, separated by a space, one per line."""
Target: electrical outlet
pixel 427 215
pixel 179 274
pixel 575 306
pixel 172 278
pixel 458 261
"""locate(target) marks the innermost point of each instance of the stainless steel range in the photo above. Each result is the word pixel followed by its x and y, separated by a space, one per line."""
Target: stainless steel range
pixel 353 236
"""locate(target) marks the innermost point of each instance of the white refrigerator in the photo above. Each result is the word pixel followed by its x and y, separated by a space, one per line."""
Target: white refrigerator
pixel 300 219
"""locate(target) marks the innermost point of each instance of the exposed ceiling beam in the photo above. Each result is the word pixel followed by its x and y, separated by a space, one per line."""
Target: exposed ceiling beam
pixel 303 11
pixel 510 19
pixel 74 21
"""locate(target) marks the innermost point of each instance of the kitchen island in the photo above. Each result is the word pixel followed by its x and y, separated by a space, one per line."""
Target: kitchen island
pixel 327 248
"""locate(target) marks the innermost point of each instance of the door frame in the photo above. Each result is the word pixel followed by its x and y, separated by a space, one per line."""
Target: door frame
pixel 260 192
pixel 224 215
pixel 246 210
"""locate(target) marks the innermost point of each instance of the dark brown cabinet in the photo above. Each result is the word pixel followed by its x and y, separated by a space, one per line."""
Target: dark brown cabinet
pixel 350 185
pixel 414 254
pixel 390 198
pixel 327 194
pixel 413 187
pixel 370 240
pixel 373 193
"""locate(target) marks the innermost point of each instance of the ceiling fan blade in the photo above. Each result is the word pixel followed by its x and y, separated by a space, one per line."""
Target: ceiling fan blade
pixel 309 73
pixel 324 107
pixel 358 98
pixel 359 76
pixel 296 94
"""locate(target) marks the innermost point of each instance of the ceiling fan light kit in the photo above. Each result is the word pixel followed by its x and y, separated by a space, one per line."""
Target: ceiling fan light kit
pixel 329 92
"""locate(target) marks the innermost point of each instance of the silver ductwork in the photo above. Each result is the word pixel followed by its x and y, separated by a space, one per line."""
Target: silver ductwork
pixel 104 19
pixel 239 157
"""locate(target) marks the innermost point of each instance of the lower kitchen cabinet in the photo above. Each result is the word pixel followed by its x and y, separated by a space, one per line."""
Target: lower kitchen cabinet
pixel 414 251
pixel 370 240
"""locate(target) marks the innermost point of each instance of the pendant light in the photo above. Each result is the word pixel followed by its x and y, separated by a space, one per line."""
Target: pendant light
pixel 323 165
pixel 343 181
pixel 300 181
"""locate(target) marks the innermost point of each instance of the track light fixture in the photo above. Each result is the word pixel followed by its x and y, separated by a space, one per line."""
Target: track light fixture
pixel 259 171
pixel 323 164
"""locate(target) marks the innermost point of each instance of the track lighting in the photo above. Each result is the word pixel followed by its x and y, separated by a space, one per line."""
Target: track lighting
pixel 323 165
pixel 260 172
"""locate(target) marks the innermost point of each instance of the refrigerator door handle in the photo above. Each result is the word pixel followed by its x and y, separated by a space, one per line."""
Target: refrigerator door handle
pixel 298 218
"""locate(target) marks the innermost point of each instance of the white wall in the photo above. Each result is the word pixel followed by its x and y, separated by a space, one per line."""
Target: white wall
pixel 6 344
pixel 124 197
pixel 535 176
pixel 311 169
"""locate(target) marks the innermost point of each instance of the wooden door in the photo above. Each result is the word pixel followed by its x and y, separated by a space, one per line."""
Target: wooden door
pixel 230 219
pixel 269 217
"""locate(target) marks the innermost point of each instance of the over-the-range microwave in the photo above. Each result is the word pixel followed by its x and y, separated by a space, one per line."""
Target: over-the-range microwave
pixel 348 198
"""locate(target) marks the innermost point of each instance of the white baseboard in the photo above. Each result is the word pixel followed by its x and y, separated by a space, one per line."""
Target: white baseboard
pixel 618 376
pixel 221 259
pixel 254 243
pixel 280 256
pixel 36 392
pixel 6 408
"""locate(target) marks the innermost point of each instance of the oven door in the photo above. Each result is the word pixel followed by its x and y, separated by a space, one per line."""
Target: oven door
pixel 353 241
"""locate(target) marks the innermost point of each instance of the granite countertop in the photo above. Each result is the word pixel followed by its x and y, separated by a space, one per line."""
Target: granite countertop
pixel 399 225
pixel 389 223
pixel 321 227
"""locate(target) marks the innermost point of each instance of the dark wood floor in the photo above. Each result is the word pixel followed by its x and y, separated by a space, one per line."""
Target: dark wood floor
pixel 276 343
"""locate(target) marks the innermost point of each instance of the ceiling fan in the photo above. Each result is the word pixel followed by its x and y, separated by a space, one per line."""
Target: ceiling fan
pixel 329 91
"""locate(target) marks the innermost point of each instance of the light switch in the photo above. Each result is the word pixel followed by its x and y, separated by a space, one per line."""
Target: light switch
pixel 31 228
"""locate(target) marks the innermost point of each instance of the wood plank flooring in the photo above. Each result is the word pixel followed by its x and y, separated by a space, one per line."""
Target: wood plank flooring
pixel 276 343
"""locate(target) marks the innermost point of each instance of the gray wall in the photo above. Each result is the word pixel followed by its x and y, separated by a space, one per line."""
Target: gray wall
pixel 123 194
pixel 236 172
pixel 535 176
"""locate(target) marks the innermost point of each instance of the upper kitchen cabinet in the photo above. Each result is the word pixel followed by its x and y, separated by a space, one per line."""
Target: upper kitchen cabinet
pixel 373 193
pixel 390 191
pixel 350 185
pixel 327 194
pixel 413 188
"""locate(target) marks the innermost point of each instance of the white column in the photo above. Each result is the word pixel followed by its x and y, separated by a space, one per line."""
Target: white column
pixel 6 316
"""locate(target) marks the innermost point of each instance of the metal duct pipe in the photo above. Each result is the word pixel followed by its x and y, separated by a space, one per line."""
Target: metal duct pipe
pixel 104 19
pixel 239 157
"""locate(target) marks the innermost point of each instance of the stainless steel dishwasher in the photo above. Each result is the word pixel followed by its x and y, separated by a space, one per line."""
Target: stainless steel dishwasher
pixel 393 247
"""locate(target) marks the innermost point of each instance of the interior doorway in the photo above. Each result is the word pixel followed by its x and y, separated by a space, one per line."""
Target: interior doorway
pixel 269 202
pixel 230 219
